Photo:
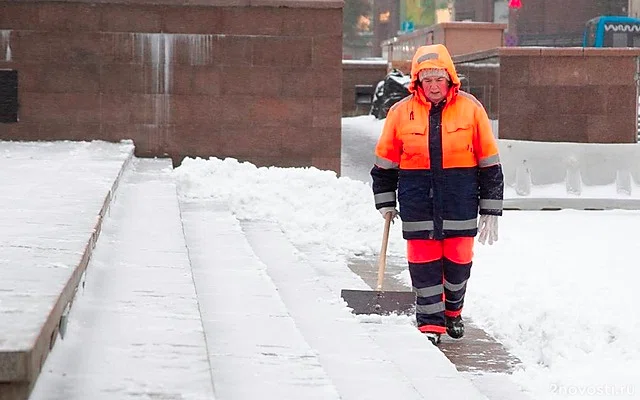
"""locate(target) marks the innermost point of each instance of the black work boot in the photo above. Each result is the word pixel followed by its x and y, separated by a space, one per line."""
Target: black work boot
pixel 433 337
pixel 455 326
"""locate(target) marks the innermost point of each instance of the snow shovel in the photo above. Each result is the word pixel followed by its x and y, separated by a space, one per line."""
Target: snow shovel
pixel 379 301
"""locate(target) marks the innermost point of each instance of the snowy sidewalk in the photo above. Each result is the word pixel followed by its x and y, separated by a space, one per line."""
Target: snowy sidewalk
pixel 134 330
pixel 272 321
pixel 255 347
pixel 190 303
pixel 53 199
pixel 367 362
pixel 252 307
pixel 182 300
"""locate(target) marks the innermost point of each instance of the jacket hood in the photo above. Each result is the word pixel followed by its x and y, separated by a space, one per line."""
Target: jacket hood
pixel 433 56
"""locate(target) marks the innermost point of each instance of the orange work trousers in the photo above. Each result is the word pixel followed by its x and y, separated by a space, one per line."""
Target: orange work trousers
pixel 439 272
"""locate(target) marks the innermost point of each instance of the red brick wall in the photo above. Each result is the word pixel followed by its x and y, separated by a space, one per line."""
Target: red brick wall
pixel 258 83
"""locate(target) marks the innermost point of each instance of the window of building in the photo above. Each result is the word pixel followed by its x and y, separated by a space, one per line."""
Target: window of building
pixel 8 96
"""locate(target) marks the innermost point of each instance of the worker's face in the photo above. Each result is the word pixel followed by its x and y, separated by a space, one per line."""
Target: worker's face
pixel 435 89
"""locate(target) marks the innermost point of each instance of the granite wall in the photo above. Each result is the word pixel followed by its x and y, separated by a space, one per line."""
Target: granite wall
pixel 562 94
pixel 258 80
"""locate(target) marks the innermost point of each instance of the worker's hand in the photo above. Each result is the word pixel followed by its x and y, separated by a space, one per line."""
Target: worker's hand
pixel 392 210
pixel 488 229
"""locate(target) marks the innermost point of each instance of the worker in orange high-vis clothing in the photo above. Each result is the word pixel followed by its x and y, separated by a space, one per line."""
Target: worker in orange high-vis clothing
pixel 437 151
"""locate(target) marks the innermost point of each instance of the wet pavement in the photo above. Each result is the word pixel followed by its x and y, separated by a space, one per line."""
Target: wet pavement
pixel 476 352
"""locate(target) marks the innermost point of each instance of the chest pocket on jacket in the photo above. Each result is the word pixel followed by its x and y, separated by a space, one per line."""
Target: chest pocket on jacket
pixel 457 143
pixel 415 148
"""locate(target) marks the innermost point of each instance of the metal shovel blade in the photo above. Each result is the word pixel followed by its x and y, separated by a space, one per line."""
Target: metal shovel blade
pixel 379 302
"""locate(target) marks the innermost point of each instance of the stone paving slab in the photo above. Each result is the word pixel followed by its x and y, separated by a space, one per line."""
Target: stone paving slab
pixel 53 197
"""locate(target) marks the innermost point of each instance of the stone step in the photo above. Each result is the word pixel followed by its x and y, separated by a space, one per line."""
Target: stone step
pixel 134 330
pixel 366 358
pixel 255 347
pixel 54 199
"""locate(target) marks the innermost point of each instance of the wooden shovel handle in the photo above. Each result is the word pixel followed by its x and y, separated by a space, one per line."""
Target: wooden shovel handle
pixel 382 260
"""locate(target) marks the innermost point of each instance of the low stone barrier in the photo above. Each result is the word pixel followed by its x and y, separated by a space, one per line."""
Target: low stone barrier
pixel 552 175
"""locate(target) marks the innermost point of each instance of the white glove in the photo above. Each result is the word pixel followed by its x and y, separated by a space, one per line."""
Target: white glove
pixel 488 229
pixel 392 210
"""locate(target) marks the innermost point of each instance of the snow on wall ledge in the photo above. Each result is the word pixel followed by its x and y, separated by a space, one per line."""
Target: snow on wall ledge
pixel 546 175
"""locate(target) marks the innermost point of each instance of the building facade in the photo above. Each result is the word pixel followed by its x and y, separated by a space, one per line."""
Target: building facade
pixel 542 22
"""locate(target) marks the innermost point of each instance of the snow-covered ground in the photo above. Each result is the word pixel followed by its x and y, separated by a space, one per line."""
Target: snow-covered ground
pixel 558 289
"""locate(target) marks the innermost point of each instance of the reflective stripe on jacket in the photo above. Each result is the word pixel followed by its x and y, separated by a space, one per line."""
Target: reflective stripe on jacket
pixel 443 162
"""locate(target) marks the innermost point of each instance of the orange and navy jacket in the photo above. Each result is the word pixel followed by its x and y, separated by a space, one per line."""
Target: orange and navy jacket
pixel 445 168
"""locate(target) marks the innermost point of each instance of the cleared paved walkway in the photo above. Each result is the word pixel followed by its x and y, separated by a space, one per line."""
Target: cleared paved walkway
pixel 371 360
